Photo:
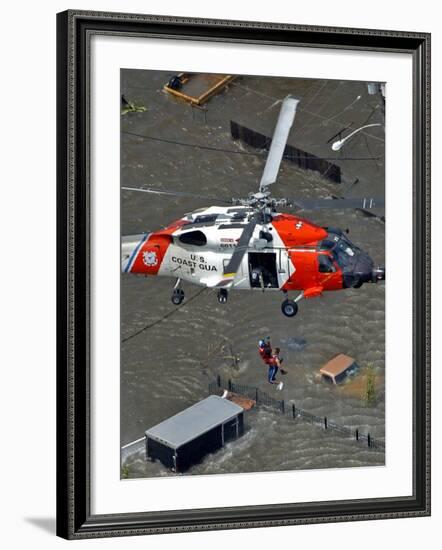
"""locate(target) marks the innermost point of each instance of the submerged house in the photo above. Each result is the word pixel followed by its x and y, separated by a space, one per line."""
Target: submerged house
pixel 184 439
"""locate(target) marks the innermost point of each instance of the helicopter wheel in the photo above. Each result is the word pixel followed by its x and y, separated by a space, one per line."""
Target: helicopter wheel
pixel 358 284
pixel 177 296
pixel 222 296
pixel 289 308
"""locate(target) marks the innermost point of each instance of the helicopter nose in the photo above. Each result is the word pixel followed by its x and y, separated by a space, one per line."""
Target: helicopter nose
pixel 378 274
pixel 363 271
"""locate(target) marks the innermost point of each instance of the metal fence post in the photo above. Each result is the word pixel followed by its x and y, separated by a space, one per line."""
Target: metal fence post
pixel 357 434
pixel 325 422
pixel 229 385
pixel 256 395
pixel 294 410
pixel 369 440
pixel 218 380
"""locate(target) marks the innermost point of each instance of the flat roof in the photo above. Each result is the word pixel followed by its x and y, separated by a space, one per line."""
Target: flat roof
pixel 194 421
pixel 337 365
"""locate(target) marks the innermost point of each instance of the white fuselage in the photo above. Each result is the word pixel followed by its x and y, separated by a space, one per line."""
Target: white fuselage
pixel 204 263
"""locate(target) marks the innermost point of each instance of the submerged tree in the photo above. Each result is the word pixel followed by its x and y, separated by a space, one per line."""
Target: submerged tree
pixel 223 350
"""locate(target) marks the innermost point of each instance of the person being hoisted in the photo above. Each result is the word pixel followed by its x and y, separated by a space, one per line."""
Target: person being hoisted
pixel 265 350
pixel 274 366
pixel 273 361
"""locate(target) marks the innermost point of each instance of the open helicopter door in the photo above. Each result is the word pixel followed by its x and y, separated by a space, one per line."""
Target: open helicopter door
pixel 263 271
pixel 285 267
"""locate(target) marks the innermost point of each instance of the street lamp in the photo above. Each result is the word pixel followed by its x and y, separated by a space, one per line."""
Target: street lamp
pixel 338 144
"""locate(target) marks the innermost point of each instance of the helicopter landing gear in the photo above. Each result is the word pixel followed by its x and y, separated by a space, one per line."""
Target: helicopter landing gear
pixel 177 294
pixel 222 295
pixel 358 284
pixel 290 307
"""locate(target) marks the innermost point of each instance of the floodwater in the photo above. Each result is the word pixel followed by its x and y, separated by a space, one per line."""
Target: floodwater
pixel 167 365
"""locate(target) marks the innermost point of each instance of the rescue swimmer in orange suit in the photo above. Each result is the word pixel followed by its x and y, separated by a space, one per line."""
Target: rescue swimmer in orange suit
pixel 265 350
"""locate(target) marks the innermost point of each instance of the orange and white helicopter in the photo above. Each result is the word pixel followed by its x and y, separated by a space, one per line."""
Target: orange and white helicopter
pixel 248 245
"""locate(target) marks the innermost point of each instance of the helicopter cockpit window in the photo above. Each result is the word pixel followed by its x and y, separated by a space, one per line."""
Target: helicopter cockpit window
pixel 342 249
pixel 345 247
pixel 325 264
pixel 327 245
pixel 194 238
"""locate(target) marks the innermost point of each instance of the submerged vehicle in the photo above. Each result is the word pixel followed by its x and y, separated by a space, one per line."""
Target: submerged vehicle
pixel 338 369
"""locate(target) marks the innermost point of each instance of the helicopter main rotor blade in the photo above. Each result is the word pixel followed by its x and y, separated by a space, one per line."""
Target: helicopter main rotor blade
pixel 175 194
pixel 241 248
pixel 279 141
pixel 364 203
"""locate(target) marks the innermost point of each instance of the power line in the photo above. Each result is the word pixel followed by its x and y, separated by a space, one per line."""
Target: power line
pixel 194 145
pixel 251 90
pixel 168 314
pixel 232 151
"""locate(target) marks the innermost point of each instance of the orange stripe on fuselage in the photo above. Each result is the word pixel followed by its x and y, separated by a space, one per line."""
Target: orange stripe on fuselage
pixel 307 275
pixel 299 232
pixel 151 254
pixel 296 231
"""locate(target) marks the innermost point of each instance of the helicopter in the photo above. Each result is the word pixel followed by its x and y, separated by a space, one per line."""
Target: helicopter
pixel 248 245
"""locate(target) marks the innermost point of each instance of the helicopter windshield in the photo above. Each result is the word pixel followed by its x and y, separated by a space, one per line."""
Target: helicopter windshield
pixel 342 248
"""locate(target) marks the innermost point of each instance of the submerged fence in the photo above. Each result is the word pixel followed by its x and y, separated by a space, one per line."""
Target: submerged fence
pixel 139 445
pixel 289 408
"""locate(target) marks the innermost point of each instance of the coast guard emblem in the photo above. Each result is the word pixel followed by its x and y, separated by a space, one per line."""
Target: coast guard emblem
pixel 150 258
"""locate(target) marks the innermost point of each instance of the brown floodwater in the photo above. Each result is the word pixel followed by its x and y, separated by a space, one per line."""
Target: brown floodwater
pixel 167 365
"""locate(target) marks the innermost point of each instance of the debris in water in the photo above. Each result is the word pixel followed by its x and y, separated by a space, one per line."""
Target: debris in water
pixel 131 107
pixel 294 344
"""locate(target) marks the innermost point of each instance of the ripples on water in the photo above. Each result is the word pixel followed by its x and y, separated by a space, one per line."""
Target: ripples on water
pixel 168 367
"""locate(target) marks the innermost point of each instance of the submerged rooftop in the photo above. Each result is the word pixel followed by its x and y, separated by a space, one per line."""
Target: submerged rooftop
pixel 194 421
